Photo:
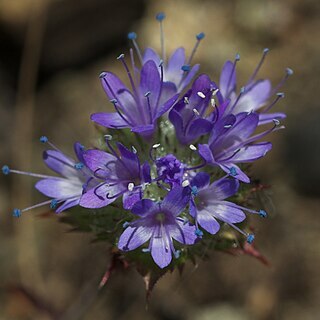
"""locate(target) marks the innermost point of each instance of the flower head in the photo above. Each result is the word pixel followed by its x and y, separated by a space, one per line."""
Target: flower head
pixel 160 224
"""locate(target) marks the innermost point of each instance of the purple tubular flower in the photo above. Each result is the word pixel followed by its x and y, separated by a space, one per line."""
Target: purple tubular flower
pixel 170 170
pixel 231 142
pixel 253 96
pixel 68 189
pixel 189 114
pixel 138 109
pixel 177 74
pixel 208 205
pixel 160 223
pixel 65 191
pixel 119 175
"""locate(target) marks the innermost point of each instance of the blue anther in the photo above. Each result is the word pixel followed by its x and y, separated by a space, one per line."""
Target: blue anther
pixel 185 68
pixel 266 50
pixel 200 36
pixel 5 170
pixel 198 233
pixel 194 191
pixel 237 57
pixel 16 213
pixel 79 165
pixel 177 254
pixel 43 139
pixel 281 94
pixel 250 238
pixel 160 16
pixel 289 71
pixel 125 224
pixel 132 36
pixel 145 250
pixel 102 74
pixel 233 171
pixel 121 56
pixel 262 213
pixel 53 203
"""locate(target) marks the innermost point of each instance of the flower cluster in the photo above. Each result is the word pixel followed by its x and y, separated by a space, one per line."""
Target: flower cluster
pixel 175 149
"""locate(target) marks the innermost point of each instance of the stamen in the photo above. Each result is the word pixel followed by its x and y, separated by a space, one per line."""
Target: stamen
pixel 130 186
pixel 198 233
pixel 213 103
pixel 196 112
pixel 194 191
pixel 147 94
pixel 133 36
pixel 201 94
pixel 6 170
pixel 279 95
pixel 186 100
pixel 214 92
pixel 186 68
pixel 134 150
pixel 237 58
pixel 155 146
pixel 121 57
pixel 289 72
pixel 262 213
pixel 199 37
pixel 227 126
pixel 53 203
pixel 242 90
pixel 44 139
pixel 79 166
pixel 233 171
pixel 177 254
pixel 265 52
pixel 250 238
pixel 192 147
pixel 185 183
pixel 145 250
pixel 160 17
pixel 17 212
pixel 125 224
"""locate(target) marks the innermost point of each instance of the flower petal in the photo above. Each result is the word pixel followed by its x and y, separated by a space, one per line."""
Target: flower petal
pixel 134 237
pixel 59 188
pixel 144 207
pixel 176 200
pixel 227 212
pixel 227 79
pixel 161 250
pixel 109 120
pixel 130 198
pixel 224 188
pixel 252 152
pixel 150 54
pixel 187 79
pixel 207 221
pixel 268 117
pixel 183 232
pixel 68 204
pixel 239 174
pixel 98 159
pixel 206 153
pixel 201 180
pixel 59 163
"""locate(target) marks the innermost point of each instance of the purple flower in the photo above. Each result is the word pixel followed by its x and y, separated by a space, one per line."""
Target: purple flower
pixel 231 142
pixel 138 109
pixel 160 223
pixel 64 191
pixel 120 175
pixel 253 96
pixel 208 205
pixel 177 74
pixel 189 115
pixel 170 169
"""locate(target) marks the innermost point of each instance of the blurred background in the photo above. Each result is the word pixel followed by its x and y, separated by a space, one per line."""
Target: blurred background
pixel 52 52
